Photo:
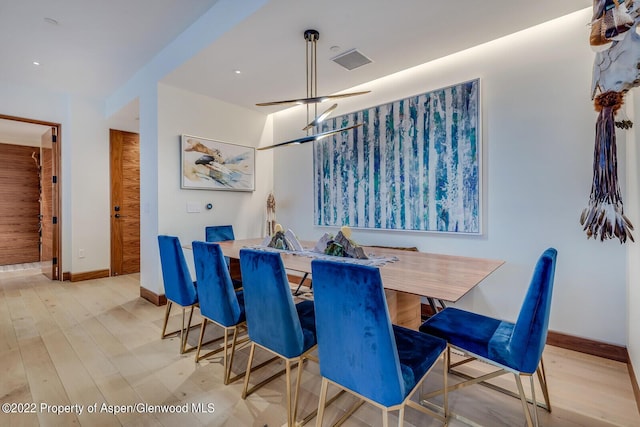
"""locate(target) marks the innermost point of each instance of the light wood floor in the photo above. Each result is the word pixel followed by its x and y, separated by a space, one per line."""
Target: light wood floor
pixel 97 343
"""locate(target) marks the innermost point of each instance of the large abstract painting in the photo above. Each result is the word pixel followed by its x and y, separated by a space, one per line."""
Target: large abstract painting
pixel 414 164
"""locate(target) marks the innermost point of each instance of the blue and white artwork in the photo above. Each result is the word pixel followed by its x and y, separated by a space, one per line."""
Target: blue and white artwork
pixel 414 164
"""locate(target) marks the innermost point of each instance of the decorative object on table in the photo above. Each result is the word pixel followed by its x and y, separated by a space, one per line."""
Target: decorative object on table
pixel 207 164
pixel 341 245
pixel 413 165
pixel 615 71
pixel 271 214
pixel 283 240
pixel 312 98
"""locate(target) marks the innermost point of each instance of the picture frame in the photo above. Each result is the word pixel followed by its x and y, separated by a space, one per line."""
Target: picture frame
pixel 413 164
pixel 208 164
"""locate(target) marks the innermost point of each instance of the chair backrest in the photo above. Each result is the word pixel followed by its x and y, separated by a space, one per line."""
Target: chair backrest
pixel 530 331
pixel 216 296
pixel 272 318
pixel 356 343
pixel 178 286
pixel 218 233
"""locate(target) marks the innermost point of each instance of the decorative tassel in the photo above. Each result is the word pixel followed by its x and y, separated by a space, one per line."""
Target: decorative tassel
pixel 605 214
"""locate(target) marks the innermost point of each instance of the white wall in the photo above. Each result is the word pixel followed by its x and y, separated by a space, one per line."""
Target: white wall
pixel 87 142
pixel 538 135
pixel 181 112
pixel 84 169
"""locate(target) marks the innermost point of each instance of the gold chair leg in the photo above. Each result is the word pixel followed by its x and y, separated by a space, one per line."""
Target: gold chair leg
pixel 234 343
pixel 401 417
pixel 323 400
pixel 233 351
pixel 183 340
pixel 182 333
pixel 445 362
pixel 542 378
pixel 535 404
pixel 288 379
pixel 248 372
pixel 385 418
pixel 225 349
pixel 523 399
pixel 297 390
pixel 202 328
pixel 166 320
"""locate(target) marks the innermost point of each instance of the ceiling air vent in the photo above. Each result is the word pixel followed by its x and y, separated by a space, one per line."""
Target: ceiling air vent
pixel 351 59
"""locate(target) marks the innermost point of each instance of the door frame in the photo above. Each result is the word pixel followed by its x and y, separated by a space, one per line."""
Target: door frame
pixel 57 273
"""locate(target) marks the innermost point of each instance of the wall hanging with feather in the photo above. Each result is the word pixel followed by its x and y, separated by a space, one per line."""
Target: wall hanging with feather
pixel 615 71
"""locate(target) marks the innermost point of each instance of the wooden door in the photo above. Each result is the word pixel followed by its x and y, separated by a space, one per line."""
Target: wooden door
pixel 49 249
pixel 125 202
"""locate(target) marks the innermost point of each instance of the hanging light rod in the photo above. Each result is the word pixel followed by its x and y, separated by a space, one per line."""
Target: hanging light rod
pixel 311 37
pixel 310 138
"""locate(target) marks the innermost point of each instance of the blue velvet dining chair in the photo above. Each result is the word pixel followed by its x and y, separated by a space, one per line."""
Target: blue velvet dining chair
pixel 275 323
pixel 360 351
pixel 513 347
pixel 179 288
pixel 218 233
pixel 219 302
pixel 222 233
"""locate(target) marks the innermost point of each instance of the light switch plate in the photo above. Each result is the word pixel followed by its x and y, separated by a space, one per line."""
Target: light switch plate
pixel 193 207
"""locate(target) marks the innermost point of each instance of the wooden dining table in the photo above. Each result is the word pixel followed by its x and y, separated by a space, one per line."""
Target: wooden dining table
pixel 411 276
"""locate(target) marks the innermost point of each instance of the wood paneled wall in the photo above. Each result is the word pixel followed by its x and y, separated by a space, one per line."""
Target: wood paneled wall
pixel 19 205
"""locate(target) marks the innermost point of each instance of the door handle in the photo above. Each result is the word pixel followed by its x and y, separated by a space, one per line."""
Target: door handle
pixel 117 215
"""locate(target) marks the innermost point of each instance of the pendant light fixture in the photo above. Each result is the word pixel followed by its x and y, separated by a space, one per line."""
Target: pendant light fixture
pixel 312 98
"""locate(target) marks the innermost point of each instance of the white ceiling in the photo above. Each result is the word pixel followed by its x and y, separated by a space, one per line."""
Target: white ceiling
pixel 98 45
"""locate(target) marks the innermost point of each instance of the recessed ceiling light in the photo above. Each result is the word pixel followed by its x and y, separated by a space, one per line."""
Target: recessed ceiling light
pixel 36 63
pixel 51 21
pixel 237 71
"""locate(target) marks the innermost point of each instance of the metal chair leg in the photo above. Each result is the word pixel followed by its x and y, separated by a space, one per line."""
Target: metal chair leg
pixel 445 363
pixel 297 390
pixel 523 399
pixel 248 372
pixel 542 378
pixel 233 351
pixel 322 403
pixel 535 404
pixel 385 418
pixel 183 340
pixel 288 379
pixel 167 311
pixel 401 417
pixel 202 328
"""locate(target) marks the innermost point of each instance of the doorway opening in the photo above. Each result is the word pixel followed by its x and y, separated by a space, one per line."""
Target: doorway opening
pixel 30 207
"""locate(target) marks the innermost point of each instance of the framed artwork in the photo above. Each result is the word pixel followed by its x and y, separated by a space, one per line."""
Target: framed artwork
pixel 414 164
pixel 207 164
